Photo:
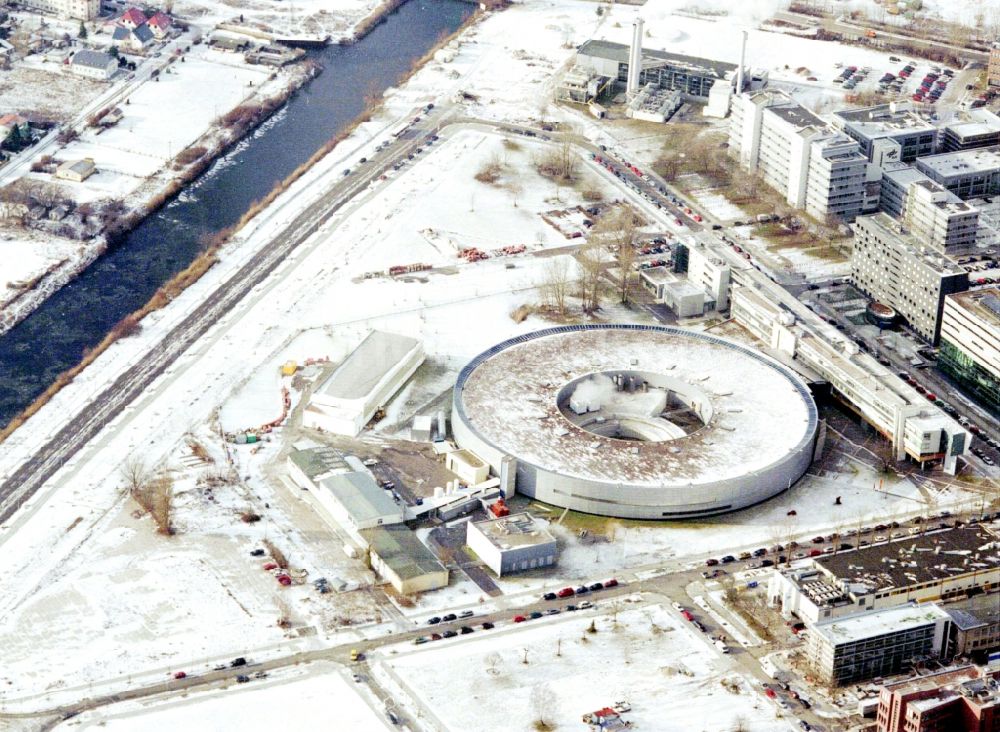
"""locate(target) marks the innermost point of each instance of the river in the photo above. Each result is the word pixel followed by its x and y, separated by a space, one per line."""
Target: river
pixel 54 337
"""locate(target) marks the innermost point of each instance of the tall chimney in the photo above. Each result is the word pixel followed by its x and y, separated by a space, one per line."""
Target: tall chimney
pixel 743 60
pixel 634 59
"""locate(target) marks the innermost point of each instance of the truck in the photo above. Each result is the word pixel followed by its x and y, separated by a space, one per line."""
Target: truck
pixel 357 655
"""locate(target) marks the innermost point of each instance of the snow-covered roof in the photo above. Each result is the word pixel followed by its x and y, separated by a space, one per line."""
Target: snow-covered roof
pixel 92 59
pixel 378 354
pixel 758 411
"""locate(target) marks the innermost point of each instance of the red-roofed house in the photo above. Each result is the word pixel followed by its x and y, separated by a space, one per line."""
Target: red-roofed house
pixel 160 24
pixel 132 18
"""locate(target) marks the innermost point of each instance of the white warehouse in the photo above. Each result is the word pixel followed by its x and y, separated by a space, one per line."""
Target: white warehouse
pixel 363 383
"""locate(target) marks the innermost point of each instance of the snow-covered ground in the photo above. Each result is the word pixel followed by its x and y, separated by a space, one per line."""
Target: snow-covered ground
pixel 301 17
pixel 318 698
pixel 90 594
pixel 671 676
pixel 163 118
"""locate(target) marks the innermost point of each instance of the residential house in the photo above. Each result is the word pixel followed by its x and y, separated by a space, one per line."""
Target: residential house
pixel 160 24
pixel 132 18
pixel 10 122
pixel 133 39
pixel 93 64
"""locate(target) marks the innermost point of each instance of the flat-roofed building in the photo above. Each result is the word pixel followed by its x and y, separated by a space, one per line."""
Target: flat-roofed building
pixel 978 128
pixel 964 699
pixel 397 555
pixel 916 428
pixel 365 382
pixel 970 343
pixel 939 565
pixel 354 500
pixel 889 133
pixel 993 68
pixel 975 626
pixel 967 173
pixel 513 543
pixel 798 154
pixel 940 218
pixel 894 267
pixel 859 647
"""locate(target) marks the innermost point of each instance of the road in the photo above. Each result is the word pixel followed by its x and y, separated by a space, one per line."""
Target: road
pixel 662 583
pixel 835 25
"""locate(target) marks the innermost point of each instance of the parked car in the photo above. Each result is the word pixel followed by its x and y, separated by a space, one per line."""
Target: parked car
pixel 519 618
pixel 449 617
pixel 488 625
pixel 566 592
pixel 433 621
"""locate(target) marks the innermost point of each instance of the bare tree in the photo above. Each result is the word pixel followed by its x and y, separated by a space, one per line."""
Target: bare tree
pixel 556 284
pixel 617 231
pixel 135 473
pixel 542 701
pixel 591 270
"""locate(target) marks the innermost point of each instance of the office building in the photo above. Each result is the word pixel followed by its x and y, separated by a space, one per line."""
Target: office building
pixel 939 218
pixel 975 626
pixel 798 154
pixel 889 133
pixel 880 643
pixel 966 699
pixel 970 343
pixel 916 428
pixel 889 264
pixel 967 173
pixel 972 129
pixel 993 68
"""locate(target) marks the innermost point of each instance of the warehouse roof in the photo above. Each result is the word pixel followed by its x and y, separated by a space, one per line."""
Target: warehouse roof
pixel 317 461
pixel 361 497
pixel 917 559
pixel 401 550
pixel 367 365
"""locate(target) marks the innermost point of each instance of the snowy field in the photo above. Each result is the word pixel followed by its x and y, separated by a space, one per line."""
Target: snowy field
pixel 320 698
pixel 669 674
pixel 88 580
pixel 161 119
pixel 303 17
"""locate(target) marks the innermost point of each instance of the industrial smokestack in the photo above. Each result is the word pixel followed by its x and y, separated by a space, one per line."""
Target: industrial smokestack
pixel 634 59
pixel 743 60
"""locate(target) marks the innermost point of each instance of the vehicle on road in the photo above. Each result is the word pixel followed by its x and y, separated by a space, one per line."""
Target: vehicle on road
pixel 180 675
pixel 242 679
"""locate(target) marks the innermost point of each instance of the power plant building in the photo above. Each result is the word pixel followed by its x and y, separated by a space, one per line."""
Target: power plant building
pixel 690 75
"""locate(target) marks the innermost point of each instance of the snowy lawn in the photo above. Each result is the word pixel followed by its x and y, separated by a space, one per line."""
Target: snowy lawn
pixel 673 679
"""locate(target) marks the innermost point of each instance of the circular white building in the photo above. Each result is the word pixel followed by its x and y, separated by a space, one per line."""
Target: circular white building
pixel 636 421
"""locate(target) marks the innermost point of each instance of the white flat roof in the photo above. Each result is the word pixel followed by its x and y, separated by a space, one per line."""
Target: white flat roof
pixel 361 372
pixel 878 622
